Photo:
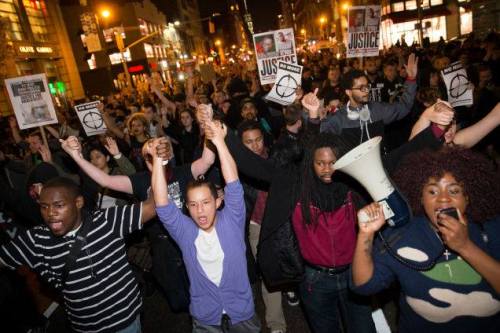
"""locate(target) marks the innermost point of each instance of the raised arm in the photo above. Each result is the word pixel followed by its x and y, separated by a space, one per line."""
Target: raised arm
pixel 390 112
pixel 216 132
pixel 158 180
pixel 148 210
pixel 124 164
pixel 111 125
pixel 471 135
pixel 440 113
pixel 52 131
pixel 248 162
pixel 201 165
pixel 362 263
pixel 117 183
pixel 165 101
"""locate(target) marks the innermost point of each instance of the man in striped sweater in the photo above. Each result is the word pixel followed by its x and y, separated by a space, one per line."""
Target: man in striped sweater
pixel 99 289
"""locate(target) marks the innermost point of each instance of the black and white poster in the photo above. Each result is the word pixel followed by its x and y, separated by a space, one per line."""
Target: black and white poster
pixel 288 79
pixel 91 118
pixel 457 85
pixel 31 100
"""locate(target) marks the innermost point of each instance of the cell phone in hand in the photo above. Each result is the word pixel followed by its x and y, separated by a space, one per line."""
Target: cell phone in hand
pixel 452 212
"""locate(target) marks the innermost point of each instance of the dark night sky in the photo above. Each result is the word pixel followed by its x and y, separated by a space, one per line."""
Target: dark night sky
pixel 264 12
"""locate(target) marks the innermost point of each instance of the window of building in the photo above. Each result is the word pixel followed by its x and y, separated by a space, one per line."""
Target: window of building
pixel 8 13
pixel 425 4
pixel 91 62
pixel 149 50
pixel 116 58
pixel 38 19
pixel 143 26
pixel 411 5
pixel 465 21
pixel 398 6
pixel 84 40
pixel 109 34
pixel 436 2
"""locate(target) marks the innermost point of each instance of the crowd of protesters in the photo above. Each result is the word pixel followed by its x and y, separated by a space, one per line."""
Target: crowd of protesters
pixel 233 189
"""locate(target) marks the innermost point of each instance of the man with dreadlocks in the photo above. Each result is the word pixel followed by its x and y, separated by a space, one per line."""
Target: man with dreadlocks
pixel 322 213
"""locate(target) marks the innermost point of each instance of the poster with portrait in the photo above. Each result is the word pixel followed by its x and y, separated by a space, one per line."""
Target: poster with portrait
pixel 91 118
pixel 31 100
pixel 363 31
pixel 91 31
pixel 457 85
pixel 272 47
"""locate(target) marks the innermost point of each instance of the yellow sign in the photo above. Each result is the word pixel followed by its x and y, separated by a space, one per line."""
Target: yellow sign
pixel 44 49
pixel 32 49
pixel 26 49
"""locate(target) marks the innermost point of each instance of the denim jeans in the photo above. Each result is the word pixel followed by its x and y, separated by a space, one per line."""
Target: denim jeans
pixel 329 304
pixel 135 327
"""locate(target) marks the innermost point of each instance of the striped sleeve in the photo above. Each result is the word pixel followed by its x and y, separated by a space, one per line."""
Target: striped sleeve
pixel 125 219
pixel 19 251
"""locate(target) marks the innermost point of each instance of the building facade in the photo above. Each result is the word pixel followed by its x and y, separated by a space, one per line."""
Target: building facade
pixel 37 42
pixel 486 16
pixel 99 30
pixel 402 20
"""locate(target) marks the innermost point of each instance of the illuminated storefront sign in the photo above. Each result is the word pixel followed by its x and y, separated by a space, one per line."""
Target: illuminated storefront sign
pixel 35 49
pixel 26 49
pixel 44 49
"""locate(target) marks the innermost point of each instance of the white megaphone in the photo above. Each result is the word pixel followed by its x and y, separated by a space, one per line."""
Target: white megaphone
pixel 364 164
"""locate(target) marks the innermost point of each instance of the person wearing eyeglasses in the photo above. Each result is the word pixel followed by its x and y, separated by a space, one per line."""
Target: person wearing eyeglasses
pixel 361 119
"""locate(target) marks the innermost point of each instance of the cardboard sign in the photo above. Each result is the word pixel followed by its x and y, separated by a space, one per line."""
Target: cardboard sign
pixel 31 100
pixel 288 79
pixel 91 118
pixel 457 85
pixel 272 47
pixel 207 73
pixel 363 31
pixel 91 32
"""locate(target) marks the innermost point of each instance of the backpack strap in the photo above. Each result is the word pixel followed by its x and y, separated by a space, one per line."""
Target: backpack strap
pixel 80 241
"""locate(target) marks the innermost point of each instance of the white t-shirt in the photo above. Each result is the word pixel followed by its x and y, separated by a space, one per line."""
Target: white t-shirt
pixel 210 255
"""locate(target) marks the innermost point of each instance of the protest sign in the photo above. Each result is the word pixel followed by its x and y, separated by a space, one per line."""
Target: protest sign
pixel 31 100
pixel 288 79
pixel 91 31
pixel 207 73
pixel 91 118
pixel 363 31
pixel 457 85
pixel 272 47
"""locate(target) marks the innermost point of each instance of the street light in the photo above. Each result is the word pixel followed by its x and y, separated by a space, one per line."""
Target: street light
pixel 345 6
pixel 322 21
pixel 177 23
pixel 105 13
pixel 303 32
